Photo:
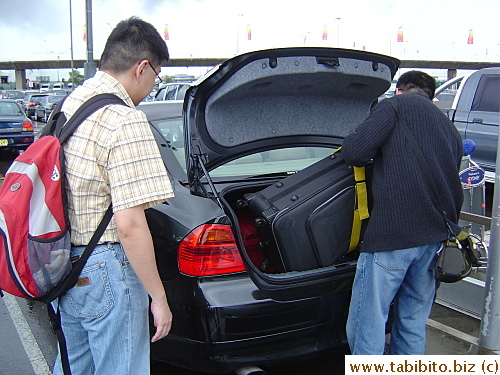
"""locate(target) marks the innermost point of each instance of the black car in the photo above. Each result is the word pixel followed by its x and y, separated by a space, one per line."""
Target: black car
pixel 30 101
pixel 16 130
pixel 255 120
pixel 46 106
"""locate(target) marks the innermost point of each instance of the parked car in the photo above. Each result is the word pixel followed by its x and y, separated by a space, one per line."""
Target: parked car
pixel 150 97
pixel 255 120
pixel 12 94
pixel 472 102
pixel 30 101
pixel 46 106
pixel 51 86
pixel 173 91
pixel 16 130
pixel 44 87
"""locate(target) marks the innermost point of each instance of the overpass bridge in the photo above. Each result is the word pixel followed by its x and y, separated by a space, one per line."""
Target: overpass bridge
pixel 20 67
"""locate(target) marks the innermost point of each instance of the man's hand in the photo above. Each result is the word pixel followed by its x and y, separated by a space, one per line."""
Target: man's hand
pixel 162 319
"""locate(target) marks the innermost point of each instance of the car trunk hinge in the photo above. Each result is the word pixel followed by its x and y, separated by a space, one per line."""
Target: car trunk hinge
pixel 199 162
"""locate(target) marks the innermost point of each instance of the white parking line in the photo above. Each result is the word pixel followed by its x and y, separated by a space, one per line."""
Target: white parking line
pixel 456 333
pixel 35 355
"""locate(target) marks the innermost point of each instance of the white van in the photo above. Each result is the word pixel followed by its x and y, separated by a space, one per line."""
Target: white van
pixel 44 87
pixel 51 86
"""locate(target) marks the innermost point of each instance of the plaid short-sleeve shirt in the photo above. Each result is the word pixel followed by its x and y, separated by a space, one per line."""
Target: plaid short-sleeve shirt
pixel 111 157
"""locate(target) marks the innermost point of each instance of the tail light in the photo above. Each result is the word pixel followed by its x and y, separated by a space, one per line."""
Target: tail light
pixel 27 126
pixel 31 104
pixel 209 250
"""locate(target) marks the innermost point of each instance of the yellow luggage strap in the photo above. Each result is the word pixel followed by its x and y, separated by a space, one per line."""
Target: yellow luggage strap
pixel 360 205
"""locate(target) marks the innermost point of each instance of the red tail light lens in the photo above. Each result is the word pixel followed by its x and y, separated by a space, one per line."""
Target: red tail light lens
pixel 209 250
pixel 31 104
pixel 27 126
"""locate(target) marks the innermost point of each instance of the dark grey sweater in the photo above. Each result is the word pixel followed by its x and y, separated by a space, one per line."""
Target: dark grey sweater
pixel 404 212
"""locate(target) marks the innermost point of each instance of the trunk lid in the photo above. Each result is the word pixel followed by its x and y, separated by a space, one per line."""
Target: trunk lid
pixel 279 98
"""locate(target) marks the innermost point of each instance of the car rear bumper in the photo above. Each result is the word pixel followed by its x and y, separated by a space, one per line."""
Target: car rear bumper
pixel 225 357
pixel 231 325
pixel 18 141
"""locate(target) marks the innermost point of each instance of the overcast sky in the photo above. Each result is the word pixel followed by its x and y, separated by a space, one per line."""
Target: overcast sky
pixel 432 29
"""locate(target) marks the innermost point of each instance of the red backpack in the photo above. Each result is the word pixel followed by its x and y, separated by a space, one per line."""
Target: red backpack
pixel 34 232
pixel 34 236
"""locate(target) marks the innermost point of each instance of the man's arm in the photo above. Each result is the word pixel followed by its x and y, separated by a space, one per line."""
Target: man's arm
pixel 361 146
pixel 135 237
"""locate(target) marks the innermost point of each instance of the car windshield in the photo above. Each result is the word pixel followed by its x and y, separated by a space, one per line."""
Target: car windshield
pixel 10 109
pixel 287 160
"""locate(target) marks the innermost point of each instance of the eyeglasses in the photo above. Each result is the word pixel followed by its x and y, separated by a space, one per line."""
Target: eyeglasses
pixel 158 79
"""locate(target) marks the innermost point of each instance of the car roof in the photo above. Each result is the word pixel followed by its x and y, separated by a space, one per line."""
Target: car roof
pixel 9 101
pixel 161 109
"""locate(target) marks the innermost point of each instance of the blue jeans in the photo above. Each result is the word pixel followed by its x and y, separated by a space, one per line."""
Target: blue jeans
pixel 105 317
pixel 403 276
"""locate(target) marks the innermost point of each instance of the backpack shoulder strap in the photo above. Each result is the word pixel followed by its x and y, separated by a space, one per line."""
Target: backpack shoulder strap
pixel 64 130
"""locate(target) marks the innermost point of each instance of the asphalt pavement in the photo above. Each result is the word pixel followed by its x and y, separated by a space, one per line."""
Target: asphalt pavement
pixel 28 346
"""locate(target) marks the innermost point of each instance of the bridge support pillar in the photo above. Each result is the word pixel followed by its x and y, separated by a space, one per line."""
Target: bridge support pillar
pixel 452 73
pixel 20 79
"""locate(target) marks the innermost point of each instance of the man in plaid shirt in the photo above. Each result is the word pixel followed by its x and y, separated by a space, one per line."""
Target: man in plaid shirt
pixel 113 158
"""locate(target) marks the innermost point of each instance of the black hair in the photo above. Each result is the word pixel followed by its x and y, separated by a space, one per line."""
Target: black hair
pixel 416 81
pixel 131 41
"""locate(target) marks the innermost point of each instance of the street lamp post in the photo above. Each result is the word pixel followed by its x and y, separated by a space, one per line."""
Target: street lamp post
pixel 305 37
pixel 71 41
pixel 238 33
pixel 338 30
pixel 90 66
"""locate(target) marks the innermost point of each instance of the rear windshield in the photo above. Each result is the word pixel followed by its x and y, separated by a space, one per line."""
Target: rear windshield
pixel 55 99
pixel 14 95
pixel 10 109
pixel 287 160
pixel 37 99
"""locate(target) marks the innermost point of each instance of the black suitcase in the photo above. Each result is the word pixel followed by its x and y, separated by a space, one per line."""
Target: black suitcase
pixel 305 220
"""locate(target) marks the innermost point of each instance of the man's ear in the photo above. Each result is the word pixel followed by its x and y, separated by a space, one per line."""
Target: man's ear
pixel 139 69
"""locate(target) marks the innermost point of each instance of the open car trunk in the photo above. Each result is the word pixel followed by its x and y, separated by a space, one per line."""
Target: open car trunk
pixel 299 228
pixel 294 232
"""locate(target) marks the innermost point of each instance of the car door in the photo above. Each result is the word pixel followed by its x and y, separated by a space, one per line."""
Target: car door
pixel 181 92
pixel 484 119
pixel 160 95
pixel 171 91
